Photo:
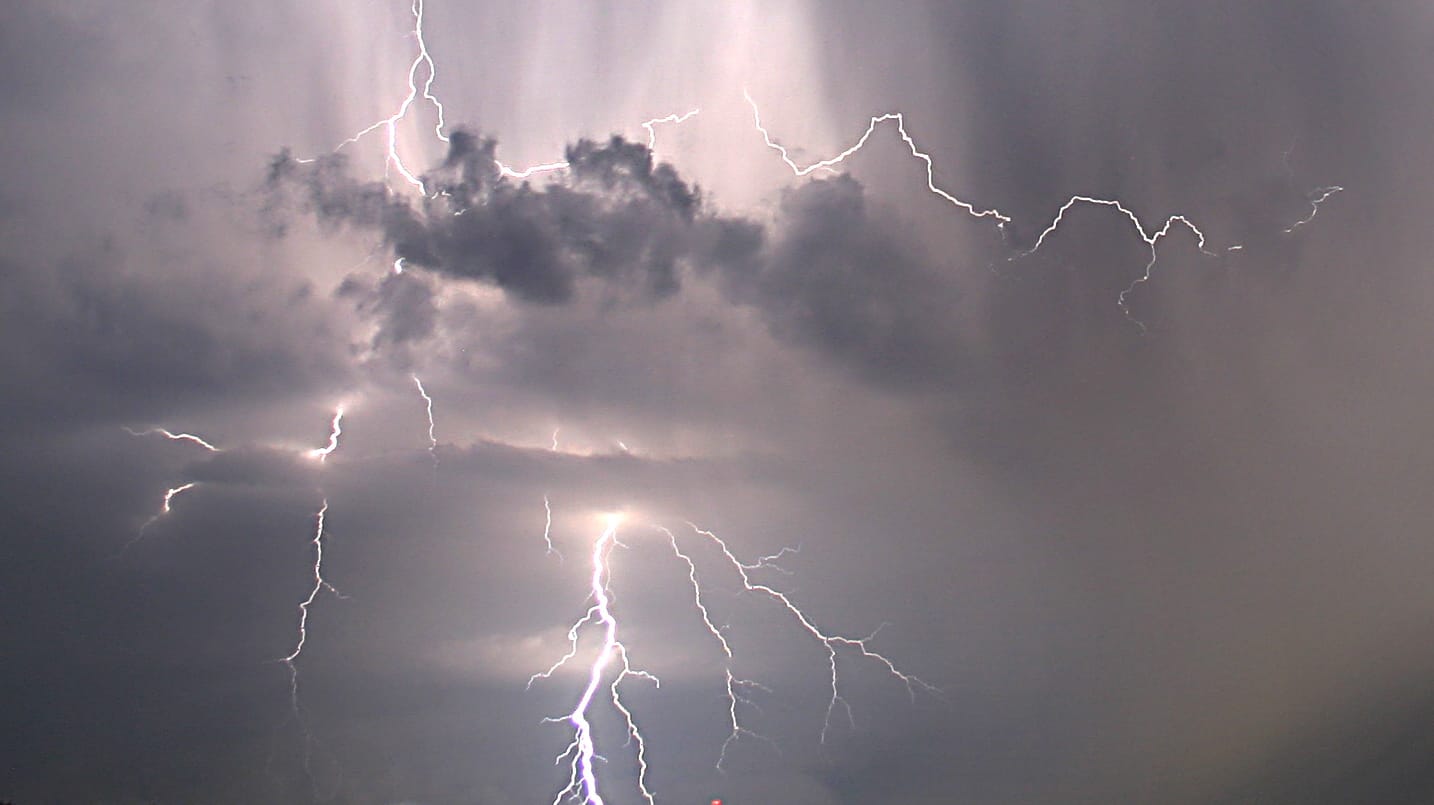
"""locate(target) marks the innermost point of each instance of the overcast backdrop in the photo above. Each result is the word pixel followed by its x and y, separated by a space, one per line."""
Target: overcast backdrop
pixel 1168 547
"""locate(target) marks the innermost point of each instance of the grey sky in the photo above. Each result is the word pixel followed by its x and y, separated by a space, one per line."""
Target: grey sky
pixel 1171 553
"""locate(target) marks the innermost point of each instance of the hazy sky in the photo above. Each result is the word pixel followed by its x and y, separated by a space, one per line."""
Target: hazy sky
pixel 1169 545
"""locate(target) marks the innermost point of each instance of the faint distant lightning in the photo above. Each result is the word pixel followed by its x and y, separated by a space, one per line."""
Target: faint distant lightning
pixel 178 437
pixel 164 508
pixel 582 779
pixel 548 528
pixel 1318 197
pixel 428 401
pixel 320 584
pixel 336 430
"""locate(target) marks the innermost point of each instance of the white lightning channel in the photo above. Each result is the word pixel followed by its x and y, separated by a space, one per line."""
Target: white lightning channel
pixel 428 403
pixel 1151 238
pixel 390 123
pixel 548 529
pixel 1317 198
pixel 672 118
pixel 798 170
pixel 733 683
pixel 171 435
pixel 832 643
pixel 320 584
pixel 582 751
pixel 336 430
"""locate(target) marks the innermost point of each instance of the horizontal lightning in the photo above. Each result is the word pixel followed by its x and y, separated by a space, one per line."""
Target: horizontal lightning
pixel 877 120
pixel 171 435
pixel 1151 238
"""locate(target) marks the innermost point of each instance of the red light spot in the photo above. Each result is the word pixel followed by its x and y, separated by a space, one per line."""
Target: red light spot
pixel 716 802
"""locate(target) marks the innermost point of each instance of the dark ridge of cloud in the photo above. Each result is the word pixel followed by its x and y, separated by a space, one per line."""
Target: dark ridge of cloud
pixel 614 216
pixel 838 278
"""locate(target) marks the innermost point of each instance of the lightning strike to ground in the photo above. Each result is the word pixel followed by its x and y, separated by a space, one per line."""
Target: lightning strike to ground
pixel 582 751
pixel 611 665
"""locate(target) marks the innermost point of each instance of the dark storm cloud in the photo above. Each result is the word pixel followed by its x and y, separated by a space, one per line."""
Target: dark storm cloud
pixel 617 217
pixel 1184 565
pixel 828 273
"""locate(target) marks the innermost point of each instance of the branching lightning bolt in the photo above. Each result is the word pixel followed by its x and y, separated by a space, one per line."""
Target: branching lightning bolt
pixel 832 643
pixel 390 123
pixel 1151 238
pixel 582 751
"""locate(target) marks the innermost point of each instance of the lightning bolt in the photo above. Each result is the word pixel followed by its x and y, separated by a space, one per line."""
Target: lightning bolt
pixel 172 436
pixel 799 171
pixel 1318 197
pixel 1150 237
pixel 164 506
pixel 428 403
pixel 548 528
pixel 581 752
pixel 612 666
pixel 834 644
pixel 672 118
pixel 336 430
pixel 320 584
pixel 390 124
